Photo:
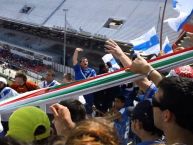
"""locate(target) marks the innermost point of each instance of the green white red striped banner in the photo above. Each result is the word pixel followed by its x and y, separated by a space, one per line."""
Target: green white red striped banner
pixel 45 96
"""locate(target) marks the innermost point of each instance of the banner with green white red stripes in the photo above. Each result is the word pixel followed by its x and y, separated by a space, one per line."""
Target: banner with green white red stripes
pixel 51 95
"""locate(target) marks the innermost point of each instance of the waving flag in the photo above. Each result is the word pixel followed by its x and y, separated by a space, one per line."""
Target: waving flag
pixel 167 47
pixel 185 9
pixel 109 58
pixel 148 43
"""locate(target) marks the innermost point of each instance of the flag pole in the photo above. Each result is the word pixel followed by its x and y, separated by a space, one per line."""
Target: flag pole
pixel 162 21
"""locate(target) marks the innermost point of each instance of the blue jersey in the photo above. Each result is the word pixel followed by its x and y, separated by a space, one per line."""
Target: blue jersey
pixel 81 74
pixel 7 92
pixel 149 93
pixel 122 126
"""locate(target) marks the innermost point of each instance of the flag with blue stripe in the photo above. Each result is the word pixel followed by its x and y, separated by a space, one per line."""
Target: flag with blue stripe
pixel 185 10
pixel 109 58
pixel 166 47
pixel 147 43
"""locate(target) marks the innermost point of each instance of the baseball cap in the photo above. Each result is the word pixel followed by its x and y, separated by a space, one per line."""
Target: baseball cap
pixel 24 122
pixel 3 80
pixel 143 112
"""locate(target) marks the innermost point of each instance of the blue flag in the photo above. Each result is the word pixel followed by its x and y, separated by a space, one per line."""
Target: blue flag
pixel 167 47
pixel 185 10
pixel 147 43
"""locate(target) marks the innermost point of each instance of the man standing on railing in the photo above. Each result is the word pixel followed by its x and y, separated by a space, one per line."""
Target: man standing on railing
pixel 82 71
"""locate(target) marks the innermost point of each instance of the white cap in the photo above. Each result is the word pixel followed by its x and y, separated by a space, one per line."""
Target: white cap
pixel 3 80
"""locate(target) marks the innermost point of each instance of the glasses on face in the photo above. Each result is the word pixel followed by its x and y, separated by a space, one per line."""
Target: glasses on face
pixel 158 104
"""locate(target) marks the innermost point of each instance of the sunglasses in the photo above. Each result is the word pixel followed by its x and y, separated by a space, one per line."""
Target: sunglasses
pixel 158 104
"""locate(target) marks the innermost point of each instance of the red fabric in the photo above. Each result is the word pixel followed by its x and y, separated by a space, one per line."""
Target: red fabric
pixel 184 71
pixel 28 86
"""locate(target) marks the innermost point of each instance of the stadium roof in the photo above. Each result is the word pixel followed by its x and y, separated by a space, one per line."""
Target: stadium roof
pixel 89 16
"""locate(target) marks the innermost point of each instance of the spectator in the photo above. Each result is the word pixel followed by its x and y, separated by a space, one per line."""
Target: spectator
pixel 29 124
pixel 93 132
pixel 6 92
pixel 173 109
pixel 82 71
pixel 172 105
pixel 121 120
pixel 144 84
pixel 62 119
pixel 21 85
pixel 49 80
pixel 76 110
pixel 10 141
pixel 68 78
pixel 142 124
pixel 110 67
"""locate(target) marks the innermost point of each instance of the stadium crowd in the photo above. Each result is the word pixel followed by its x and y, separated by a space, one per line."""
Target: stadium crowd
pixel 155 110
pixel 15 61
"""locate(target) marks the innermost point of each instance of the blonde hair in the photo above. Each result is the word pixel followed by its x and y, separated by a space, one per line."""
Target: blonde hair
pixel 93 132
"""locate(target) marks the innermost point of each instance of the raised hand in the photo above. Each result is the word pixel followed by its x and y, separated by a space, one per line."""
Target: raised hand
pixel 62 117
pixel 112 47
pixel 140 65
pixel 79 49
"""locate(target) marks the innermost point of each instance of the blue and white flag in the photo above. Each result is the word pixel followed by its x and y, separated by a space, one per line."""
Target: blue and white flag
pixel 147 43
pixel 166 47
pixel 185 9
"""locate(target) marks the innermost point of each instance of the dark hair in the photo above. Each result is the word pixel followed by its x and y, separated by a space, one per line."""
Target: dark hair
pixel 96 131
pixel 144 113
pixel 22 75
pixel 109 64
pixel 76 108
pixel 121 98
pixel 10 141
pixel 82 58
pixel 102 68
pixel 56 140
pixel 178 98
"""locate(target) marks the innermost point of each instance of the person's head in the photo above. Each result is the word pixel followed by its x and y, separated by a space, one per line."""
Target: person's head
pixel 3 82
pixel 76 108
pixel 119 102
pixel 142 122
pixel 93 132
pixel 103 68
pixel 67 78
pixel 10 141
pixel 109 64
pixel 172 104
pixel 28 124
pixel 56 140
pixel 50 75
pixel 20 78
pixel 84 62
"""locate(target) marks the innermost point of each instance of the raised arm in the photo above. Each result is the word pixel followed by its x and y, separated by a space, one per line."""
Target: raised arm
pixel 115 50
pixel 75 55
pixel 140 65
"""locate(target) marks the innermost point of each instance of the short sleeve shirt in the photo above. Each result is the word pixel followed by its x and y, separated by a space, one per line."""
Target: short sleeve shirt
pixel 81 74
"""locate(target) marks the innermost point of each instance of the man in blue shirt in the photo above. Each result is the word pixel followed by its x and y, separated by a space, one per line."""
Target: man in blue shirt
pixel 82 71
